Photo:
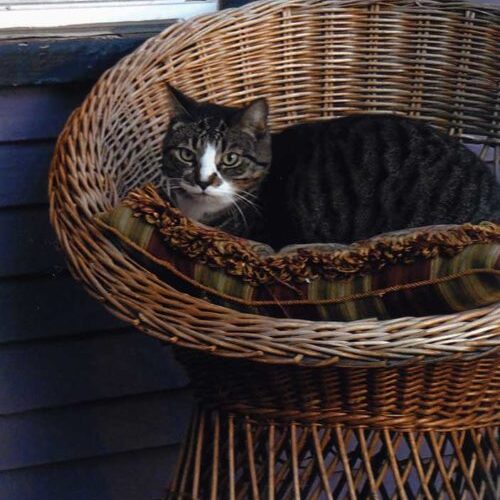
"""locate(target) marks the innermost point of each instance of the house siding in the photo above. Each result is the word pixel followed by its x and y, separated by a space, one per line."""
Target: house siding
pixel 89 408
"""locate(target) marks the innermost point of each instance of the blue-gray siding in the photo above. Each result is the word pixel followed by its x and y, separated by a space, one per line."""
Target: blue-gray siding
pixel 89 408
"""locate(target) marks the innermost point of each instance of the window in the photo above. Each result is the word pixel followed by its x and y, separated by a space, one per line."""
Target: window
pixel 51 13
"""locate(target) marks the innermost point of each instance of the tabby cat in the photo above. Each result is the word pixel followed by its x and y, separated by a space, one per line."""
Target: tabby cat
pixel 215 159
pixel 331 181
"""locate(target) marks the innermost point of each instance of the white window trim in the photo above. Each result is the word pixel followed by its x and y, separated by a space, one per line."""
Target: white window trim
pixel 50 13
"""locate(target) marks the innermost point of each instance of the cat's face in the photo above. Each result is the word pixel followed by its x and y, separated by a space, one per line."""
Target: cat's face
pixel 214 156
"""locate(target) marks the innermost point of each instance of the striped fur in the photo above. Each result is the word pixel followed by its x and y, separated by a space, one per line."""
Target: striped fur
pixel 333 181
pixel 351 178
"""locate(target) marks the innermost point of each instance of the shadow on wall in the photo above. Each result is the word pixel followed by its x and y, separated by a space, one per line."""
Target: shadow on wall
pixel 89 408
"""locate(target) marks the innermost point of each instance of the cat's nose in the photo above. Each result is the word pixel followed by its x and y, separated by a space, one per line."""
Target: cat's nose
pixel 204 184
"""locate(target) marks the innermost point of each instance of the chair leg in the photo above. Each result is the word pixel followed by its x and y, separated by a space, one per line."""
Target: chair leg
pixel 229 456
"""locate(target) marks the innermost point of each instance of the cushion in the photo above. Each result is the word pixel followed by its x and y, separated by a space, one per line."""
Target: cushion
pixel 413 272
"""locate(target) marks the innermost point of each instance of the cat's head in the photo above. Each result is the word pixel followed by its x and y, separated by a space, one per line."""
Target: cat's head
pixel 214 155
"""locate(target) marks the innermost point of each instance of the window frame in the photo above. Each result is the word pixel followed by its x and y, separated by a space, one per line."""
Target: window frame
pixel 19 14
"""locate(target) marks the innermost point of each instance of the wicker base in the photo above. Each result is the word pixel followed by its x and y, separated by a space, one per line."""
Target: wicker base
pixel 232 456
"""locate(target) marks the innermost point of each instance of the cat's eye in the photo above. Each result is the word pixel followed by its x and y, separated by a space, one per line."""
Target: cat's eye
pixel 231 159
pixel 185 155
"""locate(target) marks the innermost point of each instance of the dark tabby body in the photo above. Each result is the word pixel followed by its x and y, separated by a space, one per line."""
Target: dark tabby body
pixel 354 177
pixel 332 181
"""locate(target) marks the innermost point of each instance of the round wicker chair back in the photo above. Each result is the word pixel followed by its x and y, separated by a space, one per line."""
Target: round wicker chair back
pixel 436 61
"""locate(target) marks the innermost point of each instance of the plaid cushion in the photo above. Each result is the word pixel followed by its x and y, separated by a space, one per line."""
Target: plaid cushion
pixel 423 271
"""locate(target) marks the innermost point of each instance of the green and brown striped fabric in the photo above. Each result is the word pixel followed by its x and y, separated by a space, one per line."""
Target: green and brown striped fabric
pixel 431 270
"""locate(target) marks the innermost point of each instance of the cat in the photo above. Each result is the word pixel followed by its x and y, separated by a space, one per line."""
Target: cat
pixel 333 181
pixel 214 161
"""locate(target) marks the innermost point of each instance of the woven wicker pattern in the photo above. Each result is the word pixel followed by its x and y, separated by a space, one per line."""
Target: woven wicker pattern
pixel 313 60
pixel 228 458
pixel 457 395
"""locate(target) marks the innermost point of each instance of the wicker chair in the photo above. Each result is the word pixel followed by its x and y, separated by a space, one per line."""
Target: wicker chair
pixel 403 408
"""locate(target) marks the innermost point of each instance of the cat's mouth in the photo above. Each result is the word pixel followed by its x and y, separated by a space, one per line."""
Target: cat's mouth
pixel 208 193
pixel 196 192
pixel 198 203
pixel 200 198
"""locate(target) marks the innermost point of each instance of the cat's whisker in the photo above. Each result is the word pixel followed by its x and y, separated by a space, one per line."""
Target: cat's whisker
pixel 256 209
pixel 248 193
pixel 172 184
pixel 235 204
pixel 248 202
pixel 243 196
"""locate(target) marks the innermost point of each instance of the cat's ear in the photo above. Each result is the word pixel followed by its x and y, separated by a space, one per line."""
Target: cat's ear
pixel 253 118
pixel 180 103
